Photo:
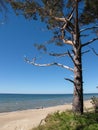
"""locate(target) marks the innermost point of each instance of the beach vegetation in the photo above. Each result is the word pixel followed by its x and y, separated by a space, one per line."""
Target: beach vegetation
pixel 94 101
pixel 70 121
pixel 70 22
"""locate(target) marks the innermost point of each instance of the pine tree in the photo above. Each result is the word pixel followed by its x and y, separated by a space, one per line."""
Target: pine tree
pixel 68 23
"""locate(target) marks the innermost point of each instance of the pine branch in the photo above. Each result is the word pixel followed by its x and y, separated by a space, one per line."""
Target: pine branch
pixel 85 29
pixel 70 80
pixel 58 54
pixel 85 52
pixel 84 35
pixel 94 51
pixel 49 64
pixel 68 26
pixel 71 15
pixel 71 57
pixel 60 19
pixel 66 41
pixel 89 42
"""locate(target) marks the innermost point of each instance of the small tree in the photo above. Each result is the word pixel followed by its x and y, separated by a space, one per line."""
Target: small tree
pixel 68 28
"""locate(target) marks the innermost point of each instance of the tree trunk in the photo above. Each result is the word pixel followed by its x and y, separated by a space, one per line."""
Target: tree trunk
pixel 78 83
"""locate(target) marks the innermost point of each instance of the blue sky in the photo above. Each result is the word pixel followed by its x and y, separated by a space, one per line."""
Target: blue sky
pixel 17 38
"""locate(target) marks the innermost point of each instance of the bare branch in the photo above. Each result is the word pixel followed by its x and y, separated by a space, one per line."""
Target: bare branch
pixel 66 41
pixel 58 54
pixel 49 64
pixel 71 57
pixel 85 29
pixel 65 19
pixel 64 26
pixel 85 52
pixel 69 80
pixel 89 42
pixel 60 19
pixel 95 52
pixel 84 35
pixel 68 26
pixel 71 15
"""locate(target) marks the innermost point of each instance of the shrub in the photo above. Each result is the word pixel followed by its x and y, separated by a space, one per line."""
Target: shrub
pixel 69 121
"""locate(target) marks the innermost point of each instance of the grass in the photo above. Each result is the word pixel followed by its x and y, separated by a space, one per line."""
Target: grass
pixel 69 121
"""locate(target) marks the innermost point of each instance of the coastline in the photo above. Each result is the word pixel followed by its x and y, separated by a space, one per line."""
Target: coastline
pixel 27 119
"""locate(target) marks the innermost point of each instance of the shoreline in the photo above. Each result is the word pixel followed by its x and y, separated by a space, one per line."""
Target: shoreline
pixel 27 119
pixel 41 107
pixel 37 108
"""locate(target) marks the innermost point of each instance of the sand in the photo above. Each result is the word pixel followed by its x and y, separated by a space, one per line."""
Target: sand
pixel 27 119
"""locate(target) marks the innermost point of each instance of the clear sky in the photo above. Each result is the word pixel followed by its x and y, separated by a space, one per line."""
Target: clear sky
pixel 17 38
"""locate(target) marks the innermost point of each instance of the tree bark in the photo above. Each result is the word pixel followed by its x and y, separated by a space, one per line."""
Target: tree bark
pixel 78 83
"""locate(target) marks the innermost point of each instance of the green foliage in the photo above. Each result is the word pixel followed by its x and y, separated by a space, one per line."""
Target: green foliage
pixel 41 46
pixel 46 10
pixel 90 12
pixel 70 121
pixel 26 8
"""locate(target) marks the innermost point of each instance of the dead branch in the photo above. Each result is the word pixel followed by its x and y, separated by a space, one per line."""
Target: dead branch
pixel 71 15
pixel 84 35
pixel 89 42
pixel 67 41
pixel 49 64
pixel 67 25
pixel 70 80
pixel 60 19
pixel 85 52
pixel 85 29
pixel 58 54
pixel 71 57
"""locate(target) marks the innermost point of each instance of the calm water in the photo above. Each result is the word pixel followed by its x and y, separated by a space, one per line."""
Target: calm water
pixel 14 102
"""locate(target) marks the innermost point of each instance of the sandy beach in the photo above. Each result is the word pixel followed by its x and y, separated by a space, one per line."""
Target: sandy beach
pixel 27 119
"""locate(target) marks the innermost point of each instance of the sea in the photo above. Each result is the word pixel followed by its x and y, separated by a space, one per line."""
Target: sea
pixel 17 102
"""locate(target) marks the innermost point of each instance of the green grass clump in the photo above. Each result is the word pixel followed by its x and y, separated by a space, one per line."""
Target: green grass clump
pixel 70 121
